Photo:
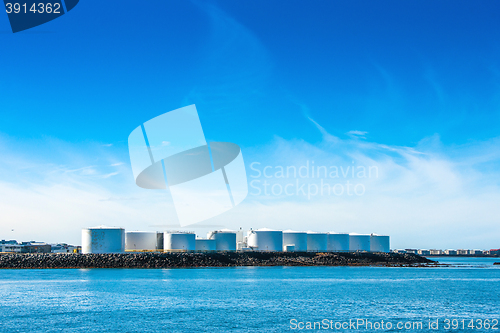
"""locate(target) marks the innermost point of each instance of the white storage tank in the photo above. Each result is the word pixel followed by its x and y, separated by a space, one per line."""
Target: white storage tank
pixel 296 238
pixel 338 242
pixel 225 239
pixel 141 241
pixel 179 241
pixel 379 243
pixel 103 240
pixel 265 240
pixel 317 241
pixel 205 244
pixel 359 242
pixel 159 240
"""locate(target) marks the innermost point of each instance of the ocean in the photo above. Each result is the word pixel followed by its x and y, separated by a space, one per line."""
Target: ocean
pixel 462 298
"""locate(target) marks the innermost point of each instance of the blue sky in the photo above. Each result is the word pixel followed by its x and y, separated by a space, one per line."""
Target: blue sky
pixel 410 86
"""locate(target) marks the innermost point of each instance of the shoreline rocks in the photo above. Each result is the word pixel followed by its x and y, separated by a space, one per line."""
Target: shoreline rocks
pixel 208 259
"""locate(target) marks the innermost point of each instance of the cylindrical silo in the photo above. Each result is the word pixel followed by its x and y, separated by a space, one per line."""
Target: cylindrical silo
pixel 379 243
pixel 296 238
pixel 265 240
pixel 103 240
pixel 338 242
pixel 317 241
pixel 205 244
pixel 359 242
pixel 159 240
pixel 179 241
pixel 225 239
pixel 141 241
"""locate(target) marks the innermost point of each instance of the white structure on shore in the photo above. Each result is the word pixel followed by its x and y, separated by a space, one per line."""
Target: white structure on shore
pixel 179 241
pixel 143 241
pixel 205 244
pixel 317 241
pixel 115 240
pixel 338 242
pixel 359 242
pixel 103 240
pixel 265 240
pixel 379 243
pixel 297 239
pixel 225 239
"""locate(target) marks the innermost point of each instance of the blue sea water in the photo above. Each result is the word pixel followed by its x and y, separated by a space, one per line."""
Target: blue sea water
pixel 251 299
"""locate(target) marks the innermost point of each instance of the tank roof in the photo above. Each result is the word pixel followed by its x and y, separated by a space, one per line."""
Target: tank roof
pixel 289 231
pixel 266 229
pixel 102 227
pixel 225 231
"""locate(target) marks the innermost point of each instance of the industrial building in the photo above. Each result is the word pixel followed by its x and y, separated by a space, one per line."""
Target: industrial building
pixel 143 241
pixel 179 241
pixel 225 240
pixel 379 243
pixel 359 242
pixel 205 245
pixel 317 241
pixel 65 248
pixel 338 242
pixel 265 240
pixel 294 241
pixel 13 246
pixel 114 240
pixel 103 240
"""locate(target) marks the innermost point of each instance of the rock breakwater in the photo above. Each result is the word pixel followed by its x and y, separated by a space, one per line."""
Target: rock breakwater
pixel 207 259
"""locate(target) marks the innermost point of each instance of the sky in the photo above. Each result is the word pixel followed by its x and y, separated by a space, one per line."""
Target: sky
pixel 410 89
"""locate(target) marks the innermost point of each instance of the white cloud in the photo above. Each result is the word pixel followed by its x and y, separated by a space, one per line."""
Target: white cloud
pixel 52 199
pixel 427 196
pixel 357 134
pixel 110 175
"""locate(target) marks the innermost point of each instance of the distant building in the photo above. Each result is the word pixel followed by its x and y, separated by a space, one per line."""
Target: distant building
pixel 424 252
pixel 436 252
pixel 9 242
pixel 10 248
pixel 65 248
pixel 414 251
pixel 495 252
pixel 451 252
pixel 399 251
pixel 35 247
pixel 462 252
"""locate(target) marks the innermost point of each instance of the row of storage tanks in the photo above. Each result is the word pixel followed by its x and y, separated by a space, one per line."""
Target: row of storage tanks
pixel 113 240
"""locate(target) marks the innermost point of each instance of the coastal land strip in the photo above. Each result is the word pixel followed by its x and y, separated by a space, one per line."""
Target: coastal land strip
pixel 209 259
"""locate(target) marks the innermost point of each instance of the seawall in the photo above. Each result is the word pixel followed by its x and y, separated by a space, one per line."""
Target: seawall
pixel 207 259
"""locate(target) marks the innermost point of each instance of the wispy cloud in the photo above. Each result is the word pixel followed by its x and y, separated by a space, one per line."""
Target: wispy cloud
pixel 357 134
pixel 110 175
pixel 55 196
pixel 428 195
pixel 421 193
